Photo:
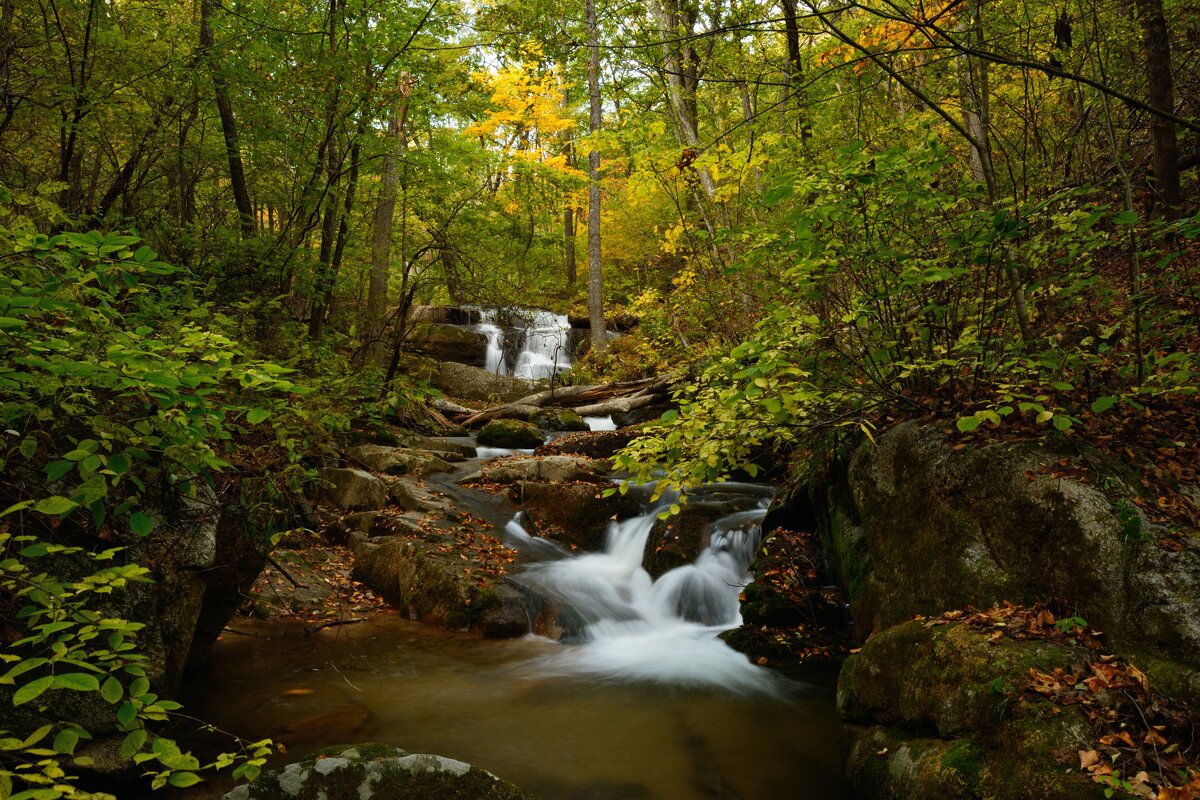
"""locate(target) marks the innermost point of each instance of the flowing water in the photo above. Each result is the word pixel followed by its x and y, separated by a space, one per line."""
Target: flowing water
pixel 641 701
pixel 536 345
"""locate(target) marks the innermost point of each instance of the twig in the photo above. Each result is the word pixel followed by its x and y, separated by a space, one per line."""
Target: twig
pixel 271 560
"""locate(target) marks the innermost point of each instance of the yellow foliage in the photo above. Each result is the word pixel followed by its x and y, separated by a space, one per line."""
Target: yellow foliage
pixel 525 101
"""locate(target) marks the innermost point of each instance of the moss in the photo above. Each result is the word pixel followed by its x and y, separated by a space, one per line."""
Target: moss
pixel 559 419
pixel 1171 678
pixel 511 433
pixel 966 758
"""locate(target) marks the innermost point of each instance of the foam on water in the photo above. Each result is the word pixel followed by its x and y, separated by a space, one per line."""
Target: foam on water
pixel 636 628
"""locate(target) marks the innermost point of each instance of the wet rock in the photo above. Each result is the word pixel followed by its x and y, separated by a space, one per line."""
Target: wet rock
pixel 354 489
pixel 551 469
pixel 627 419
pixel 399 460
pixel 558 419
pixel 377 772
pixel 444 342
pixel 593 444
pixel 445 315
pixel 510 433
pixel 681 538
pixel 405 495
pixel 927 716
pixel 575 515
pixel 424 583
pixel 1003 522
pixel 473 383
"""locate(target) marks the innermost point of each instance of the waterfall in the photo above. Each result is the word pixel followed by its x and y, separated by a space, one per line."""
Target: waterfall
pixel 637 628
pixel 544 346
pixel 489 326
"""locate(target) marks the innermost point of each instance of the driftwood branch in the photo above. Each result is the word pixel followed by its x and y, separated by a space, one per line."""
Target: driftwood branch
pixel 602 400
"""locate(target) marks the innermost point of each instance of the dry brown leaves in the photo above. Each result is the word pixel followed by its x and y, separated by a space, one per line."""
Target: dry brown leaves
pixel 1145 744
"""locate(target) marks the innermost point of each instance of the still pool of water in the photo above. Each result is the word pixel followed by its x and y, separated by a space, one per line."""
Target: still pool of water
pixel 495 704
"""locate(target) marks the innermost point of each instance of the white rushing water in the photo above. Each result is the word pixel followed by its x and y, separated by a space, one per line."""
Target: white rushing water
pixel 544 348
pixel 600 423
pixel 489 326
pixel 637 628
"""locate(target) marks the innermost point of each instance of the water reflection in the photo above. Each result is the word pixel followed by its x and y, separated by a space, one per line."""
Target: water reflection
pixel 493 704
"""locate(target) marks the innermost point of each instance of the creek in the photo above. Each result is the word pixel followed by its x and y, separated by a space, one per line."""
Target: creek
pixel 640 700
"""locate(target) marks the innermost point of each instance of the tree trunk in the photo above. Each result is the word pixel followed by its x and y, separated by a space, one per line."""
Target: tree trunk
pixel 1156 43
pixel 595 277
pixel 795 70
pixel 385 214
pixel 233 152
pixel 973 74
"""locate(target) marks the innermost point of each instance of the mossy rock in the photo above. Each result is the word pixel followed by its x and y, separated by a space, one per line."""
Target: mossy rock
pixel 931 714
pixel 377 772
pixel 559 419
pixel 510 433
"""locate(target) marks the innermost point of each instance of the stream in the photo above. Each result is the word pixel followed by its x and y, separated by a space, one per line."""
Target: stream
pixel 640 701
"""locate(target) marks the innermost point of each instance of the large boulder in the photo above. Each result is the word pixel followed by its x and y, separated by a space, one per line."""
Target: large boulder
pixel 593 444
pixel 433 585
pixel 449 343
pixel 472 383
pixel 354 489
pixel 548 469
pixel 573 514
pixel 377 772
pixel 444 315
pixel 558 419
pixel 402 460
pixel 917 527
pixel 930 712
pixel 510 433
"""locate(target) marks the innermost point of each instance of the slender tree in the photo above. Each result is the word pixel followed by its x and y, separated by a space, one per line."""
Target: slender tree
pixel 595 276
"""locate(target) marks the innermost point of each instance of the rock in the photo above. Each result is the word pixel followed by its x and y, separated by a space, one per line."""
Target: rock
pixel 445 315
pixel 680 539
pixel 627 419
pixel 404 495
pixel 575 515
pixel 1002 522
pixel 558 419
pixel 593 444
pixel 473 383
pixel 361 520
pixel 457 450
pixel 354 489
pixel 399 460
pixel 927 715
pixel 448 343
pixel 510 433
pixel 377 772
pixel 424 583
pixel 550 469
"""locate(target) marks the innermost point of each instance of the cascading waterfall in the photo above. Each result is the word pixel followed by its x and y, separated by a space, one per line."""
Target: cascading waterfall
pixel 490 327
pixel 636 628
pixel 544 346
pixel 540 340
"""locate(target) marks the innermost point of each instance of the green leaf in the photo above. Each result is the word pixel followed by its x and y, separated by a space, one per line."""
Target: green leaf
pixel 126 713
pixel 669 415
pixel 139 687
pixel 1104 404
pixel 77 681
pixel 55 506
pixel 1045 416
pixel 1127 217
pixel 32 690
pixel 56 469
pixel 133 743
pixel 65 742
pixel 140 523
pixel 968 424
pixel 1062 422
pixel 183 779
pixel 112 690
pixel 257 415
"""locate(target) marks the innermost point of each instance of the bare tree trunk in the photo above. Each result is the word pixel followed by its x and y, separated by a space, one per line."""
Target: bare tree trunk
pixel 795 70
pixel 973 74
pixel 385 213
pixel 595 277
pixel 569 215
pixel 1156 42
pixel 233 152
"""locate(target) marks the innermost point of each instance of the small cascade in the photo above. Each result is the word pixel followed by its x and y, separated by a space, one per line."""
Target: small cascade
pixel 489 325
pixel 600 423
pixel 637 628
pixel 524 343
pixel 544 350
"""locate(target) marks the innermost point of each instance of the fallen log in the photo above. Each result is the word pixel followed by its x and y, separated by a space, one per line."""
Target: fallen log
pixel 577 398
pixel 618 405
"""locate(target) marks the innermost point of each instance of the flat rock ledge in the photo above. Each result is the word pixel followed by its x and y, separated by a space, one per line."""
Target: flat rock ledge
pixel 377 772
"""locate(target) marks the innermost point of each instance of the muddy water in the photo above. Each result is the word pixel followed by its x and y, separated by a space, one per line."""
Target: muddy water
pixel 494 704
